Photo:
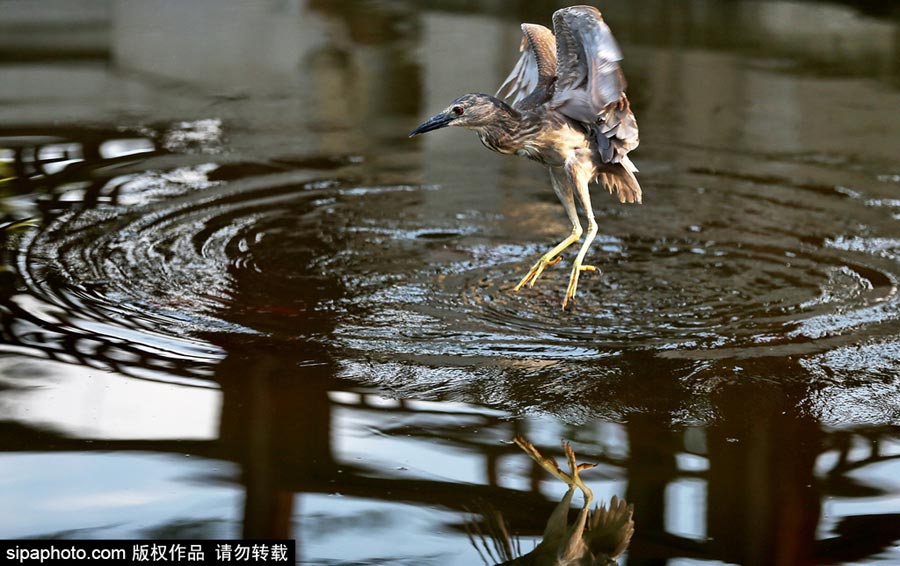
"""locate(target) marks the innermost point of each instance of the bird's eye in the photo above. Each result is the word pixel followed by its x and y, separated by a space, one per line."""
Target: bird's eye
pixel 458 110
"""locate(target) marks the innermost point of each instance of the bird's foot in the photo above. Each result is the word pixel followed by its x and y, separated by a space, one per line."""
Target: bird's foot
pixel 572 479
pixel 548 464
pixel 536 270
pixel 573 282
pixel 575 468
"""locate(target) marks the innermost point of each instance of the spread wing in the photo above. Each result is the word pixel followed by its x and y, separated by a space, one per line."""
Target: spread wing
pixel 536 69
pixel 576 72
pixel 588 73
pixel 611 529
pixel 590 86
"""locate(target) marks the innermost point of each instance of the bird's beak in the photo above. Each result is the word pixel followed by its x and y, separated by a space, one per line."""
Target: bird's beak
pixel 440 121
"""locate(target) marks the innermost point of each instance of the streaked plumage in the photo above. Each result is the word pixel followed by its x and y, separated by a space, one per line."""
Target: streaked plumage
pixel 569 112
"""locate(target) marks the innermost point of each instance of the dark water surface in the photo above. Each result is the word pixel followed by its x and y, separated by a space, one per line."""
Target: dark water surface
pixel 236 300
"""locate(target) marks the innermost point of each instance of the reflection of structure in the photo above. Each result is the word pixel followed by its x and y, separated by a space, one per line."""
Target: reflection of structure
pixel 748 488
pixel 753 487
pixel 48 163
pixel 763 495
pixel 762 506
pixel 758 478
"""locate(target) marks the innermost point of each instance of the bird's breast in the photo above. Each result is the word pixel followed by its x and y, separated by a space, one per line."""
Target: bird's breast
pixel 554 145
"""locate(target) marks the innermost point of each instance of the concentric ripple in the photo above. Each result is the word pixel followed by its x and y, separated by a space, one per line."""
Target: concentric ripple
pixel 230 257
pixel 766 267
pixel 701 296
pixel 762 274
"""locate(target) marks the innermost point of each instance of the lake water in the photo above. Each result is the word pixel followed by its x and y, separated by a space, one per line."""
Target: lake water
pixel 237 301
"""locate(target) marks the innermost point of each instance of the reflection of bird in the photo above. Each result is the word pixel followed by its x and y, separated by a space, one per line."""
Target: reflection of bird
pixel 569 112
pixel 595 538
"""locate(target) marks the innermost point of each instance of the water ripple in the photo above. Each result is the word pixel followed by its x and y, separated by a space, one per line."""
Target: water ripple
pixel 769 267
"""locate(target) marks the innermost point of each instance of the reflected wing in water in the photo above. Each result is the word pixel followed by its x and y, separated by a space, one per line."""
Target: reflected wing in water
pixel 594 538
pixel 611 528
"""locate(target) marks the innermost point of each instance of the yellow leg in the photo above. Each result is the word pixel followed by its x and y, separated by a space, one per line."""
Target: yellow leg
pixel 565 191
pixel 575 467
pixel 579 266
pixel 572 479
pixel 580 179
pixel 548 464
pixel 549 258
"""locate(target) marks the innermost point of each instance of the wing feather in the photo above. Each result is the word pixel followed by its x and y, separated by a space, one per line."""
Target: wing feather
pixel 536 68
pixel 575 70
pixel 617 124
pixel 588 73
pixel 590 88
pixel 611 528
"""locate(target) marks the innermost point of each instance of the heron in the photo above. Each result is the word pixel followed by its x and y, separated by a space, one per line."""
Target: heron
pixel 596 538
pixel 568 111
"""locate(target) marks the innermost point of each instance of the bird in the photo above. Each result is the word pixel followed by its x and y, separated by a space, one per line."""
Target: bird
pixel 566 110
pixel 596 538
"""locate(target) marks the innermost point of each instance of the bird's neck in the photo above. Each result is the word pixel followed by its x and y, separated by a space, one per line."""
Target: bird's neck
pixel 501 134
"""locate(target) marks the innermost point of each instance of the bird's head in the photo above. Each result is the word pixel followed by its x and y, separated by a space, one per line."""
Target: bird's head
pixel 471 111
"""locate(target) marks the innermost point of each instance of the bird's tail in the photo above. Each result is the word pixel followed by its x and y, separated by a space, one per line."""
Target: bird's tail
pixel 619 177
